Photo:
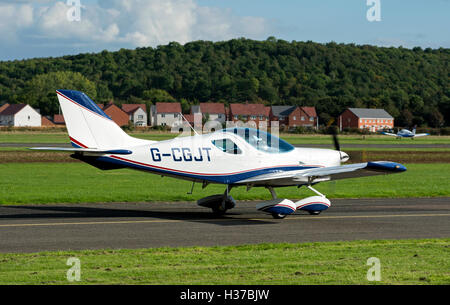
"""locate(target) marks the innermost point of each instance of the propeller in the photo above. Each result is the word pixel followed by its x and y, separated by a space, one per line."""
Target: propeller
pixel 337 146
pixel 333 131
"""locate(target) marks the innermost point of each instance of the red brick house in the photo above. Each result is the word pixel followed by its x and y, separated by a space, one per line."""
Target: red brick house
pixel 119 116
pixel 294 116
pixel 364 118
pixel 46 122
pixel 58 119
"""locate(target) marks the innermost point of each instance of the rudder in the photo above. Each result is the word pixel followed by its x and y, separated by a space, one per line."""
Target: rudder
pixel 88 126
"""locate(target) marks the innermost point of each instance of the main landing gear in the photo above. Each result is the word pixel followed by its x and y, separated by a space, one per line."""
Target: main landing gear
pixel 219 204
pixel 280 208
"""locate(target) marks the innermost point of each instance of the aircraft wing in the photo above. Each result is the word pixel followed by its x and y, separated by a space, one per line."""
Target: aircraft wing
pixel 86 150
pixel 389 134
pixel 315 175
pixel 421 135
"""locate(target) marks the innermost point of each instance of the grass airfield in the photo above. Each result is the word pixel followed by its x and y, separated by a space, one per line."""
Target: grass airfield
pixel 403 261
pixel 295 139
pixel 46 183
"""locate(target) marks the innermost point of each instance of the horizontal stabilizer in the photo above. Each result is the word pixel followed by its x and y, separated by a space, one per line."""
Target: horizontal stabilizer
pixel 389 134
pixel 86 150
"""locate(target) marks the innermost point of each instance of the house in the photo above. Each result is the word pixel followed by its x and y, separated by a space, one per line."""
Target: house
pixel 137 113
pixel 58 119
pixel 166 114
pixel 294 116
pixel 364 118
pixel 248 112
pixel 212 111
pixel 4 106
pixel 19 115
pixel 119 116
pixel 47 122
pixel 311 118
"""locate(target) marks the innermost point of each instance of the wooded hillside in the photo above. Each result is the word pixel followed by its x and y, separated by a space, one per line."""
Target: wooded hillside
pixel 412 85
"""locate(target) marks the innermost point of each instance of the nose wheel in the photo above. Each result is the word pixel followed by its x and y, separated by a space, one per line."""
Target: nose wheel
pixel 314 212
pixel 278 216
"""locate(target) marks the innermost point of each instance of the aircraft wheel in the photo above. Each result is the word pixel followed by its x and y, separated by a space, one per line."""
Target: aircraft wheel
pixel 218 211
pixel 278 216
pixel 314 212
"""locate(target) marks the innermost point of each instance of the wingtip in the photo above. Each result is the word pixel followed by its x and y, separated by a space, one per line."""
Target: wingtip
pixel 387 166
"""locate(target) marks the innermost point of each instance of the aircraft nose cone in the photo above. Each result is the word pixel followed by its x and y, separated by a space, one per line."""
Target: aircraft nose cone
pixel 344 156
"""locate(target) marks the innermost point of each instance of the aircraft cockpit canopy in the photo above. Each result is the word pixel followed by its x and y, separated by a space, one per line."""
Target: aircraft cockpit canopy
pixel 261 140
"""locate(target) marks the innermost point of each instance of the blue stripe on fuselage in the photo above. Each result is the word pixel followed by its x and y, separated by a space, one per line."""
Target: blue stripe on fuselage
pixel 224 179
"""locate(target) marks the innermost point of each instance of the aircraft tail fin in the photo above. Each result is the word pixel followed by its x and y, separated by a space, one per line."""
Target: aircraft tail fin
pixel 88 126
pixel 414 130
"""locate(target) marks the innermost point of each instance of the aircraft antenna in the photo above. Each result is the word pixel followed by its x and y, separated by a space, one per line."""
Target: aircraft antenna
pixel 189 124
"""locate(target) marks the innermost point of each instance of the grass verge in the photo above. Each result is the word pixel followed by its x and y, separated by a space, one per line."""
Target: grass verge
pixel 402 262
pixel 62 137
pixel 23 183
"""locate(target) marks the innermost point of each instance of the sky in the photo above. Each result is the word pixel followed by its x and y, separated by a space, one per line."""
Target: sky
pixel 45 28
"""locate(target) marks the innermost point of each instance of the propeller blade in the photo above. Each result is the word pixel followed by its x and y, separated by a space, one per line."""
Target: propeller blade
pixel 337 146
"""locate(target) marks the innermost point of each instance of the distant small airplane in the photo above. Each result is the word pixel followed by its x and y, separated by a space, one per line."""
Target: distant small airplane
pixel 232 157
pixel 405 133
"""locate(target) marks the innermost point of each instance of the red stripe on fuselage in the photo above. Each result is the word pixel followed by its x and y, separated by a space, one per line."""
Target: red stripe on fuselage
pixel 203 174
pixel 78 143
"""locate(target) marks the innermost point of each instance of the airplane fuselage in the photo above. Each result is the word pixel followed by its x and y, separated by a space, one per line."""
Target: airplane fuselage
pixel 199 158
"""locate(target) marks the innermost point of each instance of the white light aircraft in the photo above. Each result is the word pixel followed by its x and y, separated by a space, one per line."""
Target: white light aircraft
pixel 405 133
pixel 232 157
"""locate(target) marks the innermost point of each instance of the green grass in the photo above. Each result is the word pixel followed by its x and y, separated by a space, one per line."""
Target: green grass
pixel 402 262
pixel 408 149
pixel 77 182
pixel 61 137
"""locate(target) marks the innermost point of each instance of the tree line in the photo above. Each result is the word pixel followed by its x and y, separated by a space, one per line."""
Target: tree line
pixel 411 84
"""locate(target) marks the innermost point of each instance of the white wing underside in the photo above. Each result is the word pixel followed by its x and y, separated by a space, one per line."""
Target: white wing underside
pixel 314 175
pixel 420 135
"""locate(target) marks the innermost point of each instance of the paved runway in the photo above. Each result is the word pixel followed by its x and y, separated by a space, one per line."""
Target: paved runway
pixel 143 225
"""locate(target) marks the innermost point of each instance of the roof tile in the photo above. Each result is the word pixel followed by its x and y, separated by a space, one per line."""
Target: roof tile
pixel 168 107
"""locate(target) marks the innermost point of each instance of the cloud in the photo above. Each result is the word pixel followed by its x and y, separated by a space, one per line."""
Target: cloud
pixel 14 18
pixel 109 24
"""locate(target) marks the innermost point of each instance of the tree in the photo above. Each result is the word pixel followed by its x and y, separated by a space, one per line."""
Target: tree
pixel 40 91
pixel 158 95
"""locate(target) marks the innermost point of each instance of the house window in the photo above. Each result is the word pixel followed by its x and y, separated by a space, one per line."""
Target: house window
pixel 261 117
pixel 311 119
pixel 253 117
pixel 235 117
pixel 302 118
pixel 175 115
pixel 28 118
pixel 140 117
pixel 163 115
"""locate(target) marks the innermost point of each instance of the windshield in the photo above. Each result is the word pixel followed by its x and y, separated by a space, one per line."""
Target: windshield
pixel 261 140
